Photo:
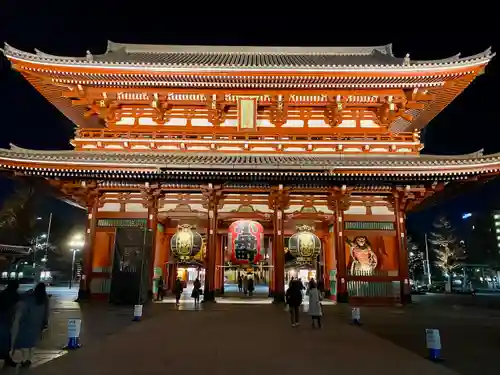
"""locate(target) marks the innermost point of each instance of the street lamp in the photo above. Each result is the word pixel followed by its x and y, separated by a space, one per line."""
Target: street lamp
pixel 75 245
pixel 46 237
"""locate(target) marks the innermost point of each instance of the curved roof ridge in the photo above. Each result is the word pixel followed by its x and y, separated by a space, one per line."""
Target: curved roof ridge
pixel 15 148
pixel 215 49
pixel 56 57
pixel 465 157
pixel 233 58
pixel 486 54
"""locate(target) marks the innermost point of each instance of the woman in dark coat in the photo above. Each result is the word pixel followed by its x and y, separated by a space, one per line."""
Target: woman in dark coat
pixel 250 286
pixel 9 299
pixel 178 287
pixel 294 300
pixel 34 308
pixel 196 291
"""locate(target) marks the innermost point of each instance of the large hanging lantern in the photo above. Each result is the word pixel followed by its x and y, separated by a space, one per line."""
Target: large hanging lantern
pixel 245 242
pixel 304 245
pixel 186 243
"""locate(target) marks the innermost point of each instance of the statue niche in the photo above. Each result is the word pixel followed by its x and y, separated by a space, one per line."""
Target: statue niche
pixel 363 259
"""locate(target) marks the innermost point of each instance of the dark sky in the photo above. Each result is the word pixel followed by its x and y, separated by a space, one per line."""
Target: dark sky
pixel 28 120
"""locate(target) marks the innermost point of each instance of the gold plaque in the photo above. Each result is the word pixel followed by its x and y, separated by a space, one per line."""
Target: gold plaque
pixel 247 112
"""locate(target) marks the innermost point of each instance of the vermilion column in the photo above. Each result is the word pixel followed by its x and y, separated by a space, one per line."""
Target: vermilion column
pixel 342 294
pixel 88 250
pixel 271 263
pixel 219 271
pixel 210 261
pixel 327 249
pixel 152 227
pixel 279 256
pixel 401 249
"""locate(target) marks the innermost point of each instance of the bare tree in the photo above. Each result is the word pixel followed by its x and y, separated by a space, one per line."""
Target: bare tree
pixel 17 220
pixel 446 248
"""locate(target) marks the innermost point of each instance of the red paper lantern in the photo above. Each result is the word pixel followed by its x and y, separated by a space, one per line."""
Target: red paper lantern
pixel 245 242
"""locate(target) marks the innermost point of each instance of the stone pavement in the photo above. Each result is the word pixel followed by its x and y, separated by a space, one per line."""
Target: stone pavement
pixel 226 339
pixel 98 321
pixel 470 336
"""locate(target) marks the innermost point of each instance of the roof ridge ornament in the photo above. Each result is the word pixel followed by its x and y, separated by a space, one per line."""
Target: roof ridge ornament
pixel 89 56
pixel 406 60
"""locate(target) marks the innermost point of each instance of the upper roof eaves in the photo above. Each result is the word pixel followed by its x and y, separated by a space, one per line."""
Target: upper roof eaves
pixel 233 58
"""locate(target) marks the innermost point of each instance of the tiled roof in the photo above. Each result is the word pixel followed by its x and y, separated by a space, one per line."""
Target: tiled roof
pixel 156 161
pixel 245 57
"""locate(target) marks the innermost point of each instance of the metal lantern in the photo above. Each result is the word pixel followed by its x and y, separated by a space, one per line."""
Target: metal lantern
pixel 304 245
pixel 245 242
pixel 186 243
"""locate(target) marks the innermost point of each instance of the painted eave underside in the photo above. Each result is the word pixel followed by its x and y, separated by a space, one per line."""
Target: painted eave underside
pixel 265 68
pixel 137 165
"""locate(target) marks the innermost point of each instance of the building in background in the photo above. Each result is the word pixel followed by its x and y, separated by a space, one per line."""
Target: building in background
pixel 11 258
pixel 212 157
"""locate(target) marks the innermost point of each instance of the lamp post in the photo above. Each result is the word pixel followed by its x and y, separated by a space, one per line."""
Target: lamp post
pixel 46 237
pixel 428 265
pixel 75 245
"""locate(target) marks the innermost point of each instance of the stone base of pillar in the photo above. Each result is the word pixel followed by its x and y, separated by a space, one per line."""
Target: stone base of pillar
pixel 279 297
pixel 405 299
pixel 219 292
pixel 83 295
pixel 208 296
pixel 342 297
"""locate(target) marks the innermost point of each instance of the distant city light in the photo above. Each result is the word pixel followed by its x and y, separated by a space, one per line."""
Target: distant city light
pixel 466 215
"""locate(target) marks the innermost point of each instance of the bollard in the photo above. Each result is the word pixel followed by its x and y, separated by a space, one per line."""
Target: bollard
pixel 433 342
pixel 137 313
pixel 356 316
pixel 74 327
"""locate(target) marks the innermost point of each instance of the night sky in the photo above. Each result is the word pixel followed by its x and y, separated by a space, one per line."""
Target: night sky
pixel 470 123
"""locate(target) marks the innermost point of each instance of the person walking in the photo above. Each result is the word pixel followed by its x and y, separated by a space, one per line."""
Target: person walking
pixel 293 299
pixel 245 285
pixel 33 319
pixel 196 291
pixel 250 286
pixel 240 283
pixel 315 308
pixel 178 288
pixel 161 289
pixel 9 299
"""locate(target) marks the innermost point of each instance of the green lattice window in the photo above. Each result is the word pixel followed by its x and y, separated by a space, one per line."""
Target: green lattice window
pixel 368 225
pixel 122 223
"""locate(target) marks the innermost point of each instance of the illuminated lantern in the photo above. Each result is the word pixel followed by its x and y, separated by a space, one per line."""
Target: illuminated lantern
pixel 304 245
pixel 245 242
pixel 186 243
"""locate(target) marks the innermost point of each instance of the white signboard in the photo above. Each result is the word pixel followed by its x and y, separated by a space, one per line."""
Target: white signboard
pixel 74 327
pixel 137 310
pixel 432 339
pixel 356 313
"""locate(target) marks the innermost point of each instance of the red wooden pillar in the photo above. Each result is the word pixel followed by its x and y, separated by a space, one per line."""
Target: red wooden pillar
pixel 210 261
pixel 405 296
pixel 279 246
pixel 219 270
pixel 88 250
pixel 270 263
pixel 328 256
pixel 342 293
pixel 152 228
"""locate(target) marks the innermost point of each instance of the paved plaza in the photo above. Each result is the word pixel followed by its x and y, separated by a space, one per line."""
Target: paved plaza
pixel 227 337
